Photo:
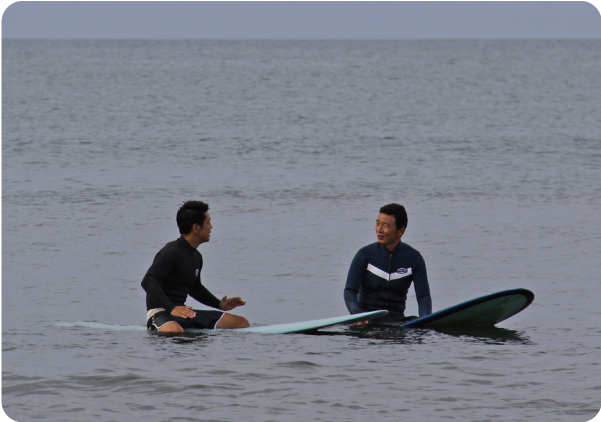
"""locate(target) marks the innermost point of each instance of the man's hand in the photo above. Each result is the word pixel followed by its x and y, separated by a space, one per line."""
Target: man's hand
pixel 231 303
pixel 183 312
pixel 359 323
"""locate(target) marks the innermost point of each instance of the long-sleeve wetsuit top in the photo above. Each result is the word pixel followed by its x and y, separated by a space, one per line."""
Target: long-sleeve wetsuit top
pixel 379 279
pixel 175 274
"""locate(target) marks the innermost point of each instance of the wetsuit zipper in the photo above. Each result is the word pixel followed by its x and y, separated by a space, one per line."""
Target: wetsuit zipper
pixel 388 282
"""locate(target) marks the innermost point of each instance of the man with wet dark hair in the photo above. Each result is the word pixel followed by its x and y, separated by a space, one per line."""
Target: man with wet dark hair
pixel 381 273
pixel 175 274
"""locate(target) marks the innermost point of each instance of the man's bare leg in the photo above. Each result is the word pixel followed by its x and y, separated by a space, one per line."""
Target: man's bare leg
pixel 171 327
pixel 232 321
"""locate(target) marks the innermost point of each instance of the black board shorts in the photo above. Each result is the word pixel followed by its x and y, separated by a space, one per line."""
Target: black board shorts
pixel 203 319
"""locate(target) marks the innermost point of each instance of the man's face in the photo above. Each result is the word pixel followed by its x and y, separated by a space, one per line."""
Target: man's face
pixel 204 232
pixel 386 230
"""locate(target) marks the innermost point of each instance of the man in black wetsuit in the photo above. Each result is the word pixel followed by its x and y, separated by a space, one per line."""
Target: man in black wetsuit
pixel 381 273
pixel 175 274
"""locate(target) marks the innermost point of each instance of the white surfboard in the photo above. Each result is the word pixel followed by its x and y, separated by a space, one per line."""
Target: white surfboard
pixel 304 326
pixel 294 327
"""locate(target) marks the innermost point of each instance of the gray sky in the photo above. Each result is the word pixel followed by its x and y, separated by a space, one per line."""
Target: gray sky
pixel 300 20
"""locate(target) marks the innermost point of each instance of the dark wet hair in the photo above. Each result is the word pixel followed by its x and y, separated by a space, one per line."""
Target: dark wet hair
pixel 190 213
pixel 399 213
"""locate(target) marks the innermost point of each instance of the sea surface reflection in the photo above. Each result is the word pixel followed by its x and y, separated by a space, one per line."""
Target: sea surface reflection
pixel 488 335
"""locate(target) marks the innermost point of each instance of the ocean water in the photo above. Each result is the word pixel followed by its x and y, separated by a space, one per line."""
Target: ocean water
pixel 494 147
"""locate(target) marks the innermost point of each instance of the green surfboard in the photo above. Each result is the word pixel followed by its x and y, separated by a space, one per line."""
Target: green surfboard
pixel 484 311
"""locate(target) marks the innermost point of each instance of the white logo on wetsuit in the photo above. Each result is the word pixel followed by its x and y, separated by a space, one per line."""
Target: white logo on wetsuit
pixel 400 273
pixel 197 271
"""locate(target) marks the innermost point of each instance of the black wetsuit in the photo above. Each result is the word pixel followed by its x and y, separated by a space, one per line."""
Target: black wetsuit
pixel 175 274
pixel 379 279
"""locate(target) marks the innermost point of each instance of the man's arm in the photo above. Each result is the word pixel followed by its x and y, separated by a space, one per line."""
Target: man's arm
pixel 354 279
pixel 155 297
pixel 350 299
pixel 203 295
pixel 422 288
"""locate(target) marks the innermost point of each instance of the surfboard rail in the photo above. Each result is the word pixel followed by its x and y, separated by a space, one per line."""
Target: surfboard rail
pixel 304 326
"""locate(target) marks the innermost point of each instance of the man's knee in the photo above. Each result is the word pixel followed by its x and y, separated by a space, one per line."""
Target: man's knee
pixel 171 327
pixel 242 322
pixel 232 321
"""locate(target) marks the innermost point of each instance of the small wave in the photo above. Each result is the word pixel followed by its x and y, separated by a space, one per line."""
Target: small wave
pixel 101 326
pixel 299 364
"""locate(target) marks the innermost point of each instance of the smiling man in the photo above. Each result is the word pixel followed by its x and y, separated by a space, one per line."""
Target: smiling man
pixel 175 274
pixel 381 273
